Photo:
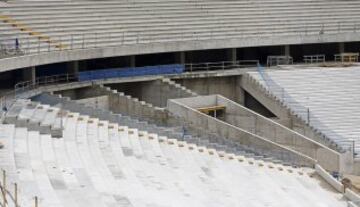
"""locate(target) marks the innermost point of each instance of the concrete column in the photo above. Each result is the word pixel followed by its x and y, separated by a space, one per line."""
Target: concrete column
pixel 341 47
pixel 29 74
pixel 287 50
pixel 73 67
pixel 133 61
pixel 232 55
pixel 180 57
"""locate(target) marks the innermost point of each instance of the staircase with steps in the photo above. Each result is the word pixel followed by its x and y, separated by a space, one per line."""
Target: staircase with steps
pixel 182 91
pixel 155 92
pixel 127 105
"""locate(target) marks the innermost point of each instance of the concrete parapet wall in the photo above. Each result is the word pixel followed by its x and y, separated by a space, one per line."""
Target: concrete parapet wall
pixel 242 118
pixel 237 134
pixel 329 179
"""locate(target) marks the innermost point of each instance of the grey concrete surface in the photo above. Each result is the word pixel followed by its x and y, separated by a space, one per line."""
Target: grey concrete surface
pixel 249 121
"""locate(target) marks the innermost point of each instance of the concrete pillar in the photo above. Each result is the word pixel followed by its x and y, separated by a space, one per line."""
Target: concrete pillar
pixel 341 47
pixel 232 55
pixel 133 61
pixel 73 67
pixel 180 57
pixel 29 74
pixel 287 50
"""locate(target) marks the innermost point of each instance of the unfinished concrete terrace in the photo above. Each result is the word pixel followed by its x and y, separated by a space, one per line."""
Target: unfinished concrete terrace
pixel 238 123
pixel 326 98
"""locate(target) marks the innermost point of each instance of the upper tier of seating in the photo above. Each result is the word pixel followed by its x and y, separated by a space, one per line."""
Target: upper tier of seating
pixel 100 163
pixel 58 25
pixel 327 98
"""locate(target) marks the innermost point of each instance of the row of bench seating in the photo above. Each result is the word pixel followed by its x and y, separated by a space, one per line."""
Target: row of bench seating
pixel 86 24
pixel 101 163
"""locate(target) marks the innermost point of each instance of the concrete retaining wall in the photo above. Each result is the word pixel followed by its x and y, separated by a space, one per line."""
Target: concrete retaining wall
pixel 229 86
pixel 156 92
pixel 237 134
pixel 121 103
pixel 99 102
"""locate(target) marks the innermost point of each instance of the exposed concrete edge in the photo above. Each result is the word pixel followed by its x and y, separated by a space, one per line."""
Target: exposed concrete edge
pixel 12 63
pixel 351 195
pixel 271 143
pixel 329 179
pixel 250 85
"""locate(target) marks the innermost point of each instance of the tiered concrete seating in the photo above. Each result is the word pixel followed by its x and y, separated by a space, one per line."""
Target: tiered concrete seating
pixel 177 132
pixel 329 94
pixel 87 24
pixel 100 163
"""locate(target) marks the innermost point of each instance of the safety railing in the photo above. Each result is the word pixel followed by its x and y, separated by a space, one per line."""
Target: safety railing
pixel 303 112
pixel 33 45
pixel 43 81
pixel 311 59
pixel 223 65
pixel 346 57
pixel 10 195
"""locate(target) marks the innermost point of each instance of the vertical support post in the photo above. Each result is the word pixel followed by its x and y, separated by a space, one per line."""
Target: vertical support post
pixel 287 50
pixel 132 61
pixel 180 57
pixel 36 201
pixel 38 45
pixel 16 194
pixel 29 74
pixel 341 47
pixel 353 148
pixel 232 55
pixel 308 115
pixel 4 188
pixel 73 67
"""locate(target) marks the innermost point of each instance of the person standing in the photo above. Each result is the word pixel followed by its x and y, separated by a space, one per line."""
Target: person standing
pixel 17 44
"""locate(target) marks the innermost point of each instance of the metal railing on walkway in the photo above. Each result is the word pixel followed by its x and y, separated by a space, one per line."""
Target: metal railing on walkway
pixel 35 45
pixel 22 88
